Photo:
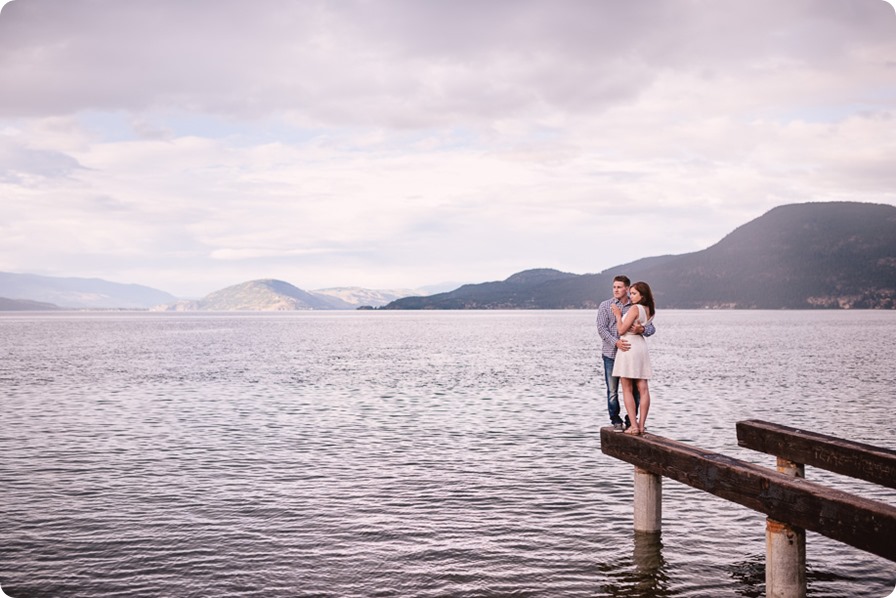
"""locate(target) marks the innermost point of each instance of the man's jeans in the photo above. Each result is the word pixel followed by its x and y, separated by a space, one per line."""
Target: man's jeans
pixel 613 392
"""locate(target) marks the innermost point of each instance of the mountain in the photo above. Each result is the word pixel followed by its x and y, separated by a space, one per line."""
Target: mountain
pixel 358 297
pixel 277 295
pixel 833 255
pixel 523 290
pixel 32 292
pixel 25 305
pixel 439 287
pixel 798 256
pixel 259 295
pixel 80 293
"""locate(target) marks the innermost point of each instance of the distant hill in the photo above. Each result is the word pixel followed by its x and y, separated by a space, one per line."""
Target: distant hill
pixel 798 256
pixel 259 295
pixel 830 255
pixel 277 295
pixel 25 305
pixel 358 297
pixel 525 290
pixel 80 293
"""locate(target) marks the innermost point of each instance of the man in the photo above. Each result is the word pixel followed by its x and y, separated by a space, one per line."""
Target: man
pixel 606 328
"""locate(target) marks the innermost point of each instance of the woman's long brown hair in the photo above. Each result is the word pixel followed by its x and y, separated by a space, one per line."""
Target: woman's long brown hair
pixel 646 297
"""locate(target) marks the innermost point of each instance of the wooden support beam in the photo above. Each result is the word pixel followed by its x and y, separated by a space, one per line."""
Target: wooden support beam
pixel 785 549
pixel 785 560
pixel 853 459
pixel 648 501
pixel 866 524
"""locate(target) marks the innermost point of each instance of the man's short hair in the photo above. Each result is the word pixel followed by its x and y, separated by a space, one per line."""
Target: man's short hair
pixel 623 279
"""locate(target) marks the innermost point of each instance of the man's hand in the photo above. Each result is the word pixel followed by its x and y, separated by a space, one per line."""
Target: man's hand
pixel 623 345
pixel 637 328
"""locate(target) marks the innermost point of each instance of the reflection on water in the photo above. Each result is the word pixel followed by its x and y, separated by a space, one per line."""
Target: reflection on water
pixel 642 575
pixel 650 578
pixel 751 575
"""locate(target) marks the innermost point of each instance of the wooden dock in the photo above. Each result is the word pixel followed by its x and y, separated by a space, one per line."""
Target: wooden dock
pixel 791 503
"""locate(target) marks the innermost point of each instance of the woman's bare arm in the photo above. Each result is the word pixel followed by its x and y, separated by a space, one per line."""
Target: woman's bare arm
pixel 623 324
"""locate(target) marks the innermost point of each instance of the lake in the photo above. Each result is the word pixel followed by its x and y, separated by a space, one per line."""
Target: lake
pixel 383 453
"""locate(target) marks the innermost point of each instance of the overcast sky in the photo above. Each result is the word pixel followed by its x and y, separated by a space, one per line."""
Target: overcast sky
pixel 190 146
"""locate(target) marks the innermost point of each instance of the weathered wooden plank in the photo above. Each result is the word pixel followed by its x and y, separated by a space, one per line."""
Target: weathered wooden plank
pixel 866 524
pixel 853 459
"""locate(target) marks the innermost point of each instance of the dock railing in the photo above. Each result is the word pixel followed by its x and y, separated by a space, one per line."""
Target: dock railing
pixel 791 503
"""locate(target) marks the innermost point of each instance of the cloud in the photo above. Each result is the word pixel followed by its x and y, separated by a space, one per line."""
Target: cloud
pixel 24 166
pixel 398 143
pixel 401 63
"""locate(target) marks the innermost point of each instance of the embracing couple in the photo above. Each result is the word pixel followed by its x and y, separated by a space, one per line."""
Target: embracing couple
pixel 622 323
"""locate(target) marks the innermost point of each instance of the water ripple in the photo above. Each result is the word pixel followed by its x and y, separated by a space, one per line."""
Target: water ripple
pixel 406 455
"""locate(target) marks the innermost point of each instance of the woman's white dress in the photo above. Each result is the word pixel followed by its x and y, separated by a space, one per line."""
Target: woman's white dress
pixel 634 363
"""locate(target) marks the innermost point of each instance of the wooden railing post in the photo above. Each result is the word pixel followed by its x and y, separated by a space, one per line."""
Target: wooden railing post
pixel 785 549
pixel 867 524
pixel 648 501
pixel 794 449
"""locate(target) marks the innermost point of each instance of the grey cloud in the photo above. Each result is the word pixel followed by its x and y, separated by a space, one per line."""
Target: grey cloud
pixel 19 164
pixel 400 62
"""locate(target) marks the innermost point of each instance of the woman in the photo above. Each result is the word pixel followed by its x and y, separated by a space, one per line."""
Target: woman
pixel 633 366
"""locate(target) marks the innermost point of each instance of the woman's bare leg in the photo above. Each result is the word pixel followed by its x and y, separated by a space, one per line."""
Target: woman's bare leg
pixel 629 400
pixel 644 391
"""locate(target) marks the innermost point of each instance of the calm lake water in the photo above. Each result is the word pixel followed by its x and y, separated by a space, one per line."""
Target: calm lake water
pixel 406 453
